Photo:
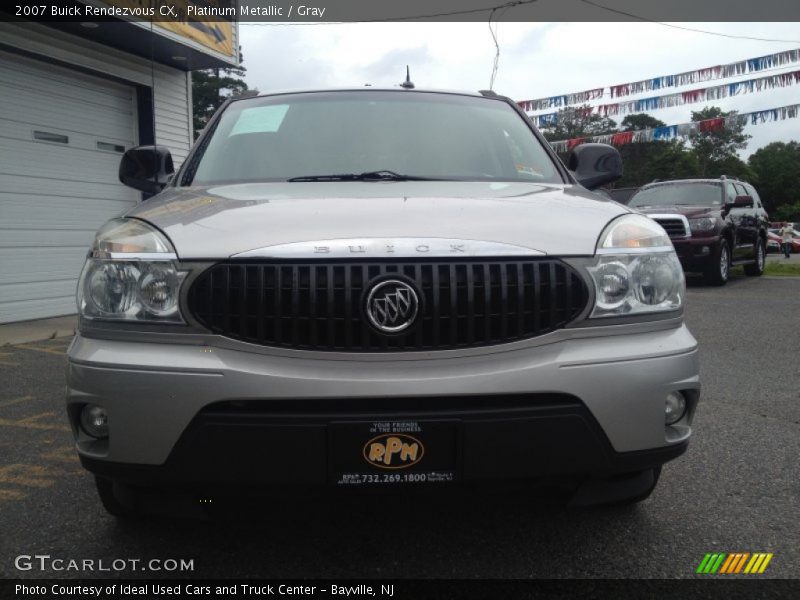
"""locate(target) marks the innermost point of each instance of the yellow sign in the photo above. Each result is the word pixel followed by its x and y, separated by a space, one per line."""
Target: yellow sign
pixel 175 16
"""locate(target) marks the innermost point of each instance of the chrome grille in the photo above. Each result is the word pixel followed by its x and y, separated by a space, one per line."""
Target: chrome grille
pixel 320 305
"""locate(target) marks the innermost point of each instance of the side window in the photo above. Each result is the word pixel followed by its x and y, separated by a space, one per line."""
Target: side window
pixel 740 189
pixel 731 192
pixel 752 192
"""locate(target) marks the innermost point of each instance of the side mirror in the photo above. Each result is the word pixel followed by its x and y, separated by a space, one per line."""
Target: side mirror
pixel 146 168
pixel 595 164
pixel 742 202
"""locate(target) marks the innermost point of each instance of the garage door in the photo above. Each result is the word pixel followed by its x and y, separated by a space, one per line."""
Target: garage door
pixel 62 134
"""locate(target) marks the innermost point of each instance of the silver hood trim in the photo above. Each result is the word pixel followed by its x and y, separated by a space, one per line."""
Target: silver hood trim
pixel 387 248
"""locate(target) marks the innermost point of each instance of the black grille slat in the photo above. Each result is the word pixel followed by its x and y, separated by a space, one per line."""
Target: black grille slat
pixel 436 323
pixel 312 306
pixel 419 277
pixel 226 312
pixel 243 308
pixel 453 289
pixel 487 303
pixel 318 306
pixel 520 298
pixel 261 291
pixel 675 228
pixel 553 317
pixel 470 278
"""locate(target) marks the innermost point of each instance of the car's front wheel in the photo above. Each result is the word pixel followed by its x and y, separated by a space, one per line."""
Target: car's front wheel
pixel 756 268
pixel 719 271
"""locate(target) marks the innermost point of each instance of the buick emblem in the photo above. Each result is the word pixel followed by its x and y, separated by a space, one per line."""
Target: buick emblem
pixel 392 306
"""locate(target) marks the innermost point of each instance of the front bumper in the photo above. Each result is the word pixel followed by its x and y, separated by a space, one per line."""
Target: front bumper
pixel 212 414
pixel 697 253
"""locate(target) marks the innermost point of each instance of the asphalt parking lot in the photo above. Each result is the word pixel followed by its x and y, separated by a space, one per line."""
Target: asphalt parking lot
pixel 736 490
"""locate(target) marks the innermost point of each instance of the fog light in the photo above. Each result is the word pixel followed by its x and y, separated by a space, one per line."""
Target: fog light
pixel 675 408
pixel 94 421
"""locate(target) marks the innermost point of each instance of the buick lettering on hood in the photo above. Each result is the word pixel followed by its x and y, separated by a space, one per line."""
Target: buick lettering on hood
pixel 378 287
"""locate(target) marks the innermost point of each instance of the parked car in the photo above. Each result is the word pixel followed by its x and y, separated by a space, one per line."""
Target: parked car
pixel 794 244
pixel 774 241
pixel 713 224
pixel 372 287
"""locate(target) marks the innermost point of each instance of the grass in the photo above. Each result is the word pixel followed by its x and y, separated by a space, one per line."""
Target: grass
pixel 782 269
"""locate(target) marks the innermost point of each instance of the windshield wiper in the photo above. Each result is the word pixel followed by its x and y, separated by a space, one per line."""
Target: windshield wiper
pixel 366 176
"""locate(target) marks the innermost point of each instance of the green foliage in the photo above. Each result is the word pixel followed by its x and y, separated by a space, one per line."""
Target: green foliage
pixel 776 175
pixel 787 212
pixel 774 169
pixel 578 121
pixel 210 88
pixel 644 162
pixel 733 166
pixel 640 121
pixel 716 150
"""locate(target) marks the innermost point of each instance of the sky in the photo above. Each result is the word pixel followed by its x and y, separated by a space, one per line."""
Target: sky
pixel 536 60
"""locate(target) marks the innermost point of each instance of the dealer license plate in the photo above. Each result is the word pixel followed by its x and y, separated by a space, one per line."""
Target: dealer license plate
pixel 393 452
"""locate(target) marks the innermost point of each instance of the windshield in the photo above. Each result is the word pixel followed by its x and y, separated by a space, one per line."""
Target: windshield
pixel 414 135
pixel 679 194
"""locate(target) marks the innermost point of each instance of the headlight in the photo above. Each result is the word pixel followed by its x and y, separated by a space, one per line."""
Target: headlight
pixel 130 275
pixel 636 270
pixel 703 225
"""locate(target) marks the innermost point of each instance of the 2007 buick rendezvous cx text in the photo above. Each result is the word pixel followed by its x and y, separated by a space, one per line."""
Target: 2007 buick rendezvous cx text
pixel 378 287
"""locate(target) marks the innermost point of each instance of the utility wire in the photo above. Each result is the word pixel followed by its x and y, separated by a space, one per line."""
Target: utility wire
pixel 717 33
pixel 502 10
pixel 497 50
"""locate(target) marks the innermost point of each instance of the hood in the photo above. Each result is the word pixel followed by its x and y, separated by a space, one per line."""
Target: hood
pixel 220 221
pixel 690 212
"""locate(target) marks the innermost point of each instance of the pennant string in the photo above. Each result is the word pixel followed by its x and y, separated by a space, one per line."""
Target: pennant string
pixel 679 99
pixel 735 69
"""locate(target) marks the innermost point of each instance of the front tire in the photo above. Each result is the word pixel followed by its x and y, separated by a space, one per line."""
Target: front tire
pixel 719 271
pixel 756 269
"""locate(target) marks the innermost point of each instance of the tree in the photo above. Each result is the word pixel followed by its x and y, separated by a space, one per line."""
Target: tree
pixel 578 121
pixel 647 161
pixel 776 172
pixel 640 121
pixel 715 148
pixel 210 88
pixel 788 212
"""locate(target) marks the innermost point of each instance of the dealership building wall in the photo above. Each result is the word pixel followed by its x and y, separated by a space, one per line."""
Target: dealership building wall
pixel 69 107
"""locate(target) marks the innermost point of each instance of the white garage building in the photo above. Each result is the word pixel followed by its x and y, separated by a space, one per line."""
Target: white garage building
pixel 73 98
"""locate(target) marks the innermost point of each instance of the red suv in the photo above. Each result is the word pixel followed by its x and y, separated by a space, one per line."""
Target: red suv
pixel 713 223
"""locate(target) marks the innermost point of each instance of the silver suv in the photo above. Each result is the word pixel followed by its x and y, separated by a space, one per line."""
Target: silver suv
pixel 378 287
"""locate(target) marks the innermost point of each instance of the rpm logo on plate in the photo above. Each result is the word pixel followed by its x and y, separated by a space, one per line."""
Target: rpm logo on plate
pixel 393 451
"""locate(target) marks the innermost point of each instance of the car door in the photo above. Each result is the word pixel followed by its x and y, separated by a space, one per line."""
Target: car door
pixel 761 216
pixel 741 222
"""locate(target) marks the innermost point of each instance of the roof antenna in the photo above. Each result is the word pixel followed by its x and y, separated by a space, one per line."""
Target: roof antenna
pixel 407 84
